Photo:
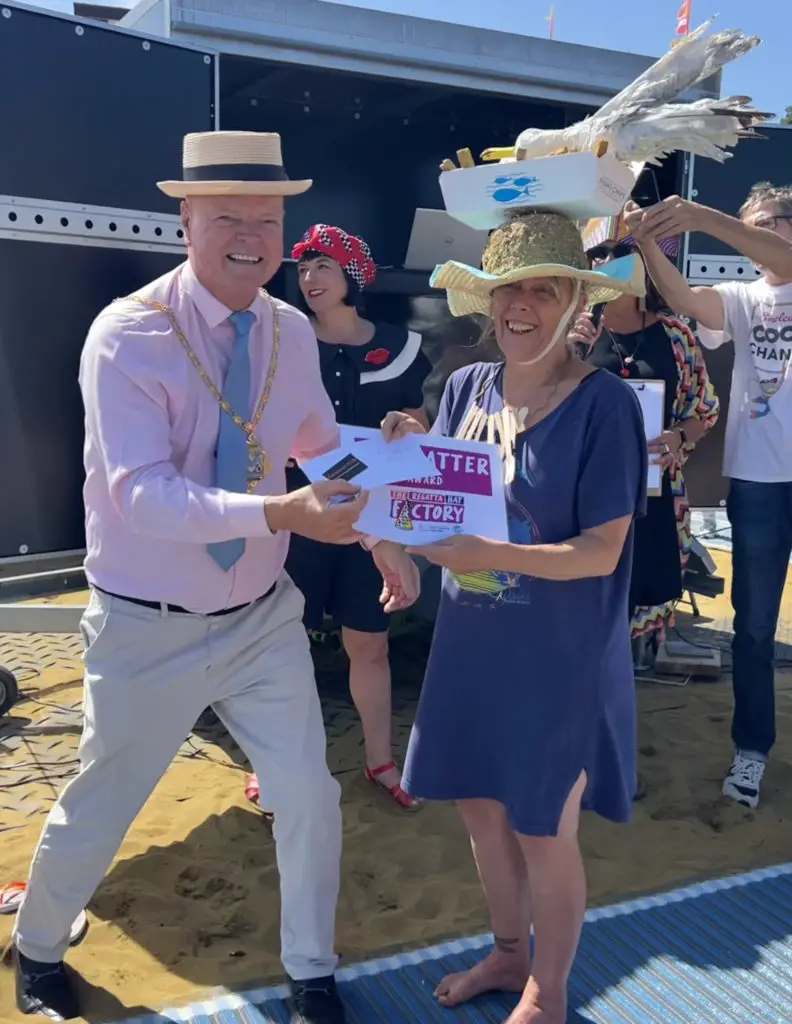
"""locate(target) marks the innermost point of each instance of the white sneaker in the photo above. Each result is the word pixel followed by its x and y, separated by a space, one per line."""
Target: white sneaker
pixel 743 780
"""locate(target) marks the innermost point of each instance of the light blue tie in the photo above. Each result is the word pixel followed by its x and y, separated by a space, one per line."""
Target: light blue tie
pixel 232 453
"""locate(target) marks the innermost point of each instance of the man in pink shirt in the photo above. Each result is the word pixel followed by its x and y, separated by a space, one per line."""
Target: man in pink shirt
pixel 196 391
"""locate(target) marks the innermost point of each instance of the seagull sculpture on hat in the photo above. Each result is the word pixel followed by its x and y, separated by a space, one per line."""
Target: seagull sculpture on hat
pixel 642 124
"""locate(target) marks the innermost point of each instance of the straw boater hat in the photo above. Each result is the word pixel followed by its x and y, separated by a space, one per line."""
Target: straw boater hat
pixel 532 244
pixel 233 164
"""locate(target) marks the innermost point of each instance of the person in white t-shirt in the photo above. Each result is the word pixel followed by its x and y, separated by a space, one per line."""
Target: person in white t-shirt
pixel 757 317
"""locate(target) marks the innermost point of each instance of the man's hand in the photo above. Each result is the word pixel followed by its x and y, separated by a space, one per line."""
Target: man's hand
pixel 666 219
pixel 399 424
pixel 461 554
pixel 632 215
pixel 311 512
pixel 649 226
pixel 401 581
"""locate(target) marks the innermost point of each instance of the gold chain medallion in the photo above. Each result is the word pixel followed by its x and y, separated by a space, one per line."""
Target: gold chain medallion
pixel 259 463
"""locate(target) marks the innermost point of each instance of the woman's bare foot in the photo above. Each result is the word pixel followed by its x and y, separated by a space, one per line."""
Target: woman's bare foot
pixel 498 972
pixel 534 1008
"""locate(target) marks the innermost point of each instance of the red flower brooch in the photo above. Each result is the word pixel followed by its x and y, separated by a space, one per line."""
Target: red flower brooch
pixel 377 356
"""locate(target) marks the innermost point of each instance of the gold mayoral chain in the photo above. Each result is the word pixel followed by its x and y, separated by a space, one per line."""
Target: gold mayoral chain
pixel 258 461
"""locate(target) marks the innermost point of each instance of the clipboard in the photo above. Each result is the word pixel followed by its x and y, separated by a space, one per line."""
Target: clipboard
pixel 651 398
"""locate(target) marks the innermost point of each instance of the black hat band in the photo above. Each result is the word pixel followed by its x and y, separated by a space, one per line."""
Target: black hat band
pixel 236 172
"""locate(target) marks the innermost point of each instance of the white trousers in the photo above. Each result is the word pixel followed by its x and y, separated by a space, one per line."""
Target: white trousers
pixel 148 676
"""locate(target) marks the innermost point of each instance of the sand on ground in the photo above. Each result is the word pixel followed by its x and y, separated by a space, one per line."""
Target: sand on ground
pixel 191 901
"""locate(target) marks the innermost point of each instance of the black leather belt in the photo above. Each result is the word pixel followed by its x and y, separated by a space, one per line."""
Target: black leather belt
pixel 158 605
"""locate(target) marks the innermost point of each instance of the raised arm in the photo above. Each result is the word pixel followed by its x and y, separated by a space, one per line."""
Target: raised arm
pixel 675 215
pixel 762 246
pixel 704 305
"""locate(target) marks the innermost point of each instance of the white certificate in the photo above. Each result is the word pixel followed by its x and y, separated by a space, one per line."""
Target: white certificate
pixel 369 461
pixel 651 398
pixel 463 494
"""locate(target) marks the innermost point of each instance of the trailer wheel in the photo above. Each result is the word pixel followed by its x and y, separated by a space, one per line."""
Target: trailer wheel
pixel 9 691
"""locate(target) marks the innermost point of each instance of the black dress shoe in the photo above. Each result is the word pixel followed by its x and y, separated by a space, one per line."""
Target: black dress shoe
pixel 44 988
pixel 316 1001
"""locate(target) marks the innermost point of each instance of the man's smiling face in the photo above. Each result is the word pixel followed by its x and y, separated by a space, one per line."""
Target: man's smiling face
pixel 235 243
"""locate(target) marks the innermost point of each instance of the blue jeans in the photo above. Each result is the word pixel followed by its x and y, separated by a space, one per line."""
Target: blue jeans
pixel 761 521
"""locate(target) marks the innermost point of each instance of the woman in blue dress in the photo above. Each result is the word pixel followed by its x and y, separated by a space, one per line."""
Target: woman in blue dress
pixel 528 708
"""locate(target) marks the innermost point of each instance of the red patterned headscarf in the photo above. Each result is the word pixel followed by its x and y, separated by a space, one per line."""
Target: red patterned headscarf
pixel 351 253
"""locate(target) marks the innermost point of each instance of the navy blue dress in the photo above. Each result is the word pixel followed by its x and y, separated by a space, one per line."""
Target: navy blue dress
pixel 530 681
pixel 364 383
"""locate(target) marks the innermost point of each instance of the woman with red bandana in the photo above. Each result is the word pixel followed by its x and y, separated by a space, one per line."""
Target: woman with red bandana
pixel 368 369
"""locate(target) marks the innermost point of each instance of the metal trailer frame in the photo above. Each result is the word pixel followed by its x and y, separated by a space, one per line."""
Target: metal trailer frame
pixel 328 35
pixel 30 219
pixel 708 262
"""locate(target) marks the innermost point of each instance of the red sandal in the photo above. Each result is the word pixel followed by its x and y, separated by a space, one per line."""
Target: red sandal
pixel 252 793
pixel 252 789
pixel 404 800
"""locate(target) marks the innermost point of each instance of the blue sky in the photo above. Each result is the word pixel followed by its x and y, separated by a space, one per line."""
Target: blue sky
pixel 617 24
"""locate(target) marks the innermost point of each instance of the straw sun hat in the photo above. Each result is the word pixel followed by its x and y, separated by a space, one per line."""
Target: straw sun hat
pixel 529 245
pixel 233 164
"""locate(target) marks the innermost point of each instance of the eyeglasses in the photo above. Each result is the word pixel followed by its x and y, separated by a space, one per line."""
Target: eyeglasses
pixel 771 223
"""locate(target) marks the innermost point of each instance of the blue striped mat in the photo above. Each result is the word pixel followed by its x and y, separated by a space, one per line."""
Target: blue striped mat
pixel 715 953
